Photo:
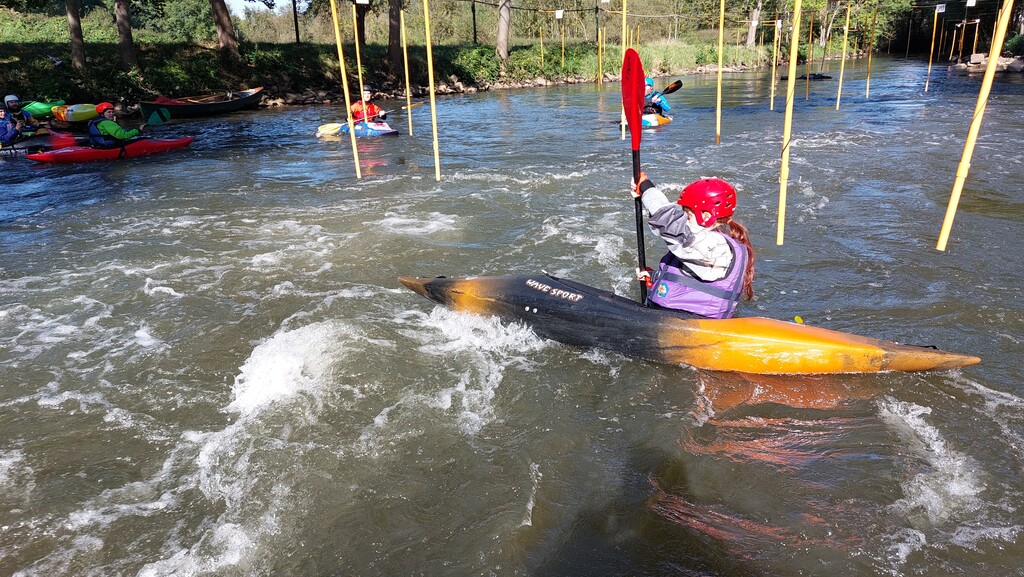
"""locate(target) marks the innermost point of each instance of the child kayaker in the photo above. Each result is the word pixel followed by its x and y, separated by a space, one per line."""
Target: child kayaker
pixel 104 132
pixel 654 101
pixel 706 270
pixel 365 110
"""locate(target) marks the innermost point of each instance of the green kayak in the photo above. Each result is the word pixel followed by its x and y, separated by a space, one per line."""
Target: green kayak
pixel 41 109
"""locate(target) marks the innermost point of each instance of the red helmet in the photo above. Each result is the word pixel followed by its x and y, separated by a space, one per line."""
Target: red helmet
pixel 103 107
pixel 711 195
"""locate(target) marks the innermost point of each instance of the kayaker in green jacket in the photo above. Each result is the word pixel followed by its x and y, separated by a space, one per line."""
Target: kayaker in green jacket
pixel 104 132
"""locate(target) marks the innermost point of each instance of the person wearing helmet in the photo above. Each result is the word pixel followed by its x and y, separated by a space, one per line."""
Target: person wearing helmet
pixel 654 101
pixel 16 114
pixel 365 110
pixel 10 129
pixel 104 132
pixel 707 269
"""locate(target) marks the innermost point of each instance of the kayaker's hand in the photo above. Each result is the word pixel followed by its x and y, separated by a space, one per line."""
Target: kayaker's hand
pixel 644 276
pixel 634 187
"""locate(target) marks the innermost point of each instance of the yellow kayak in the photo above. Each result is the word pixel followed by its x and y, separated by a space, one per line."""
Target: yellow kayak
pixel 577 314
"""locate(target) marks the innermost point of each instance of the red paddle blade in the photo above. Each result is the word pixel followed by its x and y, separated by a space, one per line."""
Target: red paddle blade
pixel 633 93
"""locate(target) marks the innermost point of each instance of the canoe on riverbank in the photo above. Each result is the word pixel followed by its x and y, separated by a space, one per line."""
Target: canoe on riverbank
pixel 208 105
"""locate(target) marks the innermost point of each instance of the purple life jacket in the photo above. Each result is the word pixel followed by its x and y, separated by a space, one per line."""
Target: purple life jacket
pixel 674 286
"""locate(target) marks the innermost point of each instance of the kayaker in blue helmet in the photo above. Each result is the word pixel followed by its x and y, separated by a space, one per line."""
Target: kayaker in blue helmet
pixel 706 270
pixel 654 101
pixel 104 132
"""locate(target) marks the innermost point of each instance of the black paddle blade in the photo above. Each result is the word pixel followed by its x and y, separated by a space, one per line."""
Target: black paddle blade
pixel 673 87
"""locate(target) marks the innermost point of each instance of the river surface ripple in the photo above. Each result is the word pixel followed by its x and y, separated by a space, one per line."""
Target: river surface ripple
pixel 207 366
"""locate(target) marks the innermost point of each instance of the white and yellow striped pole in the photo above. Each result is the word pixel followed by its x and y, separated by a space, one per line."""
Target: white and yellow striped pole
pixel 344 86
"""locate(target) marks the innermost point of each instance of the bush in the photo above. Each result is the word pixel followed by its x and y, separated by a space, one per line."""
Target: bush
pixel 1015 45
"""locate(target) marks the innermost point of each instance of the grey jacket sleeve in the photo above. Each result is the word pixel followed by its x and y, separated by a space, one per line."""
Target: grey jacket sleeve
pixel 705 251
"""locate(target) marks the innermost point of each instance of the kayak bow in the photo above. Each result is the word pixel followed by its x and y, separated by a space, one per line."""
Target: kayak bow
pixel 577 314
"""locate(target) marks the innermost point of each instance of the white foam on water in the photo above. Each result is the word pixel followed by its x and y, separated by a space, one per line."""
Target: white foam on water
pixel 535 477
pixel 151 288
pixel 405 225
pixel 484 344
pixel 144 339
pixel 238 467
pixel 941 498
pixel 949 490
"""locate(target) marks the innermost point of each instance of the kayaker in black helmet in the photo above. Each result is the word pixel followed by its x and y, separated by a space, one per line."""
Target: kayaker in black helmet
pixel 365 110
pixel 706 270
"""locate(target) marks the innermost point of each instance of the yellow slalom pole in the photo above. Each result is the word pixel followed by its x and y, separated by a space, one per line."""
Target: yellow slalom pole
pixel 787 130
pixel 977 25
pixel 842 63
pixel 430 77
pixel 636 39
pixel 721 61
pixel 542 50
pixel 979 113
pixel 344 86
pixel 599 71
pixel 405 56
pixel 810 56
pixel 359 60
pixel 952 46
pixel 563 45
pixel 776 41
pixel 931 51
pixel 871 50
pixel 623 57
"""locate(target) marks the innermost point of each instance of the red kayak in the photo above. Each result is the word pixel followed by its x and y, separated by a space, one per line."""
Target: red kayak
pixel 141 147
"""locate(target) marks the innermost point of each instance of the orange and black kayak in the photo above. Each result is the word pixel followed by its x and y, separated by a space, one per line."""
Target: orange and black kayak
pixel 577 314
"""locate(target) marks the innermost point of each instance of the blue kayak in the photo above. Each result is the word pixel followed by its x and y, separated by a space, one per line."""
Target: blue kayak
pixel 371 129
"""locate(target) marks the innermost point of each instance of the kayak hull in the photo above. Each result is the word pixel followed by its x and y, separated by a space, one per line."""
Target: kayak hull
pixel 576 314
pixel 371 129
pixel 142 147
pixel 654 120
pixel 75 112
pixel 41 110
pixel 43 140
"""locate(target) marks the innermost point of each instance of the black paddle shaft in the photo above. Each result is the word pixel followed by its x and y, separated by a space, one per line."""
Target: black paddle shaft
pixel 641 257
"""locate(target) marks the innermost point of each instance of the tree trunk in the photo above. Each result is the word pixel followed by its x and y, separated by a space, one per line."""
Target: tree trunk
pixel 755 17
pixel 361 10
pixel 226 38
pixel 125 44
pixel 395 36
pixel 504 26
pixel 77 40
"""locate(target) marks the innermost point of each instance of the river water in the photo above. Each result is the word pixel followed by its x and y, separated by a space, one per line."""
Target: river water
pixel 207 366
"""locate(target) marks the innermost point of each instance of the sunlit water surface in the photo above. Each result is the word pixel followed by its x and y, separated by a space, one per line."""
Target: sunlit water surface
pixel 209 368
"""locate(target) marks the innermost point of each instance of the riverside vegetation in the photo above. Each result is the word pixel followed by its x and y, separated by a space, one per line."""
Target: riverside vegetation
pixel 177 52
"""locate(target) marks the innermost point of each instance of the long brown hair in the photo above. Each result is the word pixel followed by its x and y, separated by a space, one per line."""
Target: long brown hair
pixel 738 232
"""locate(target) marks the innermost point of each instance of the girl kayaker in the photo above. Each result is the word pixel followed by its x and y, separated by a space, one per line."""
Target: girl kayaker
pixel 706 269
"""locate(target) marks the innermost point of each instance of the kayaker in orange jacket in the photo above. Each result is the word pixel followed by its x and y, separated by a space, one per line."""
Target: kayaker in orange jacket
pixel 365 110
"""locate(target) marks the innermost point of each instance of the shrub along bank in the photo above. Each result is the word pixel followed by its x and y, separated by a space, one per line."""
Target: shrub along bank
pixel 42 70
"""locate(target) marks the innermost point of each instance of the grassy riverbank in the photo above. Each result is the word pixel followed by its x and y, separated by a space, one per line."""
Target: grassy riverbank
pixel 42 70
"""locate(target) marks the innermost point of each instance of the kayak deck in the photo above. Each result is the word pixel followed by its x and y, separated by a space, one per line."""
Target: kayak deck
pixel 576 314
